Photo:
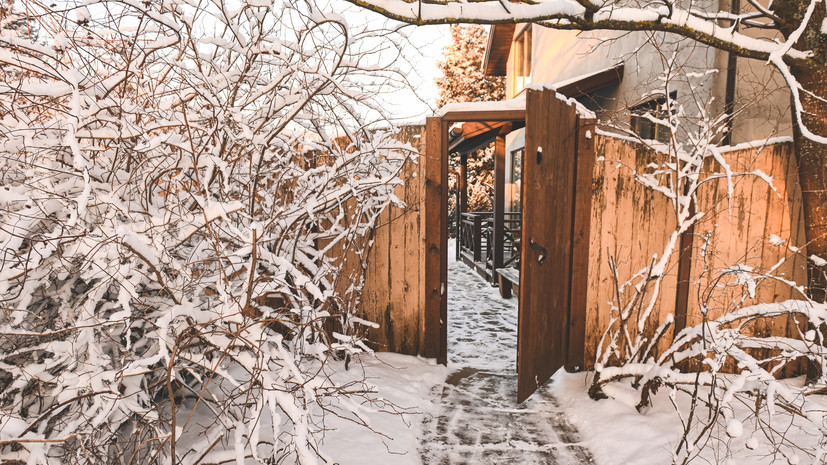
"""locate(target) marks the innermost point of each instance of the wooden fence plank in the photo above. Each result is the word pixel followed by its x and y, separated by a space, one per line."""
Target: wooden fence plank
pixel 602 240
pixel 581 253
pixel 434 286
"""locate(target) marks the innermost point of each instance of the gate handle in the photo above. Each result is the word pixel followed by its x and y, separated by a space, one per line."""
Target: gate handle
pixel 539 248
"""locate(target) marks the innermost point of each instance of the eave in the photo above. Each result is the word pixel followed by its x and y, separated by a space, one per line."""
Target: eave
pixel 495 60
pixel 472 136
pixel 590 83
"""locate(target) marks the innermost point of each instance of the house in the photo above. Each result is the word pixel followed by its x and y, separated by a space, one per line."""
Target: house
pixel 621 77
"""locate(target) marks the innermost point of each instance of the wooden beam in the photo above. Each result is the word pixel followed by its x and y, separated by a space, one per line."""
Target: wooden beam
pixel 731 84
pixel 684 275
pixel 483 116
pixel 476 135
pixel 581 235
pixel 463 198
pixel 475 128
pixel 495 60
pixel 443 247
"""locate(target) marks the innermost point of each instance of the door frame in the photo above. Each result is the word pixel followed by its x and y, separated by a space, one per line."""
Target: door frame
pixel 435 205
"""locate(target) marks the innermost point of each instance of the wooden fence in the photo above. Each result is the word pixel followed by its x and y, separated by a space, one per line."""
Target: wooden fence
pixel 630 224
pixel 393 295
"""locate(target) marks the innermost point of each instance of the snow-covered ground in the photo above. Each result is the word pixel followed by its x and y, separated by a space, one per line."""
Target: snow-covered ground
pixel 406 382
pixel 617 434
pixel 477 419
pixel 482 326
pixel 467 413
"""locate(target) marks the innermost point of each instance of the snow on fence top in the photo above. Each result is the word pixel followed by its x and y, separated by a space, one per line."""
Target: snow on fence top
pixel 517 104
pixel 503 105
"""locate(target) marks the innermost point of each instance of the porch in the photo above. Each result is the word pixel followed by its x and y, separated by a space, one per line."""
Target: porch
pixel 489 241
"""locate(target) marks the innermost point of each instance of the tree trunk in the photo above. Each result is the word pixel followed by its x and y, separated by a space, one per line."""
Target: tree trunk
pixel 811 172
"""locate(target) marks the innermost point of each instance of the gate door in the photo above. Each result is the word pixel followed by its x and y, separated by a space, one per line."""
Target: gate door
pixel 549 186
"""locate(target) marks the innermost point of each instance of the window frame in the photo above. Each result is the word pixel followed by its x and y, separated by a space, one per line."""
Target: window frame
pixel 522 59
pixel 645 128
pixel 514 177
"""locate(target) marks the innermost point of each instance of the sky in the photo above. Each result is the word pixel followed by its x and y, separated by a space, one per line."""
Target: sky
pixel 427 43
pixel 423 50
pixel 430 40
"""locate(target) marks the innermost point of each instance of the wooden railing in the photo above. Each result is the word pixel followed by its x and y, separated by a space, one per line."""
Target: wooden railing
pixel 511 239
pixel 471 235
pixel 476 233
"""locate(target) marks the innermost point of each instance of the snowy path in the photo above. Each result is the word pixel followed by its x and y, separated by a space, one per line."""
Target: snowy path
pixel 478 419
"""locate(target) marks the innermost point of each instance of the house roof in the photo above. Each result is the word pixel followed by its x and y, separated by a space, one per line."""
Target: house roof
pixel 495 60
pixel 592 82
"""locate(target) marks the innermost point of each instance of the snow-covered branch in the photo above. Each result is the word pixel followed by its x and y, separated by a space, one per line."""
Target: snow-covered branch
pixel 180 187
pixel 696 21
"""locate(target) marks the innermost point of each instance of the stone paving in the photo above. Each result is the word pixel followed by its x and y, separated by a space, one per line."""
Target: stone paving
pixel 479 421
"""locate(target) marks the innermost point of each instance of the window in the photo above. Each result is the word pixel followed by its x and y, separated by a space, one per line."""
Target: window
pixel 643 114
pixel 522 60
pixel 513 178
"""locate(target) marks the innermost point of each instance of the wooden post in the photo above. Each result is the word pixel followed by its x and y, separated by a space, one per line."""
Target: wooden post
pixel 684 275
pixel 581 235
pixel 463 197
pixel 477 238
pixel 436 238
pixel 499 205
pixel 442 357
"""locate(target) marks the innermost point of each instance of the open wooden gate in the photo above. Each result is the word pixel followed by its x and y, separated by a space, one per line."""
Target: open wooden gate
pixel 556 208
pixel 556 211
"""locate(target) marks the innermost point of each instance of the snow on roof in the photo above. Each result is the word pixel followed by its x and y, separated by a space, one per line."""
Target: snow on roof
pixel 581 109
pixel 503 105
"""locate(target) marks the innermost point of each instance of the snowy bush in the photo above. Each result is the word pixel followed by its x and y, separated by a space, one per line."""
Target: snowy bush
pixel 181 182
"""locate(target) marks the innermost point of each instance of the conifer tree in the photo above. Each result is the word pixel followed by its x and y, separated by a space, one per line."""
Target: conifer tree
pixel 464 81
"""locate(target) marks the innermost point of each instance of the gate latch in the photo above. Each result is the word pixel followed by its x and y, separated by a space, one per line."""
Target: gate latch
pixel 539 248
